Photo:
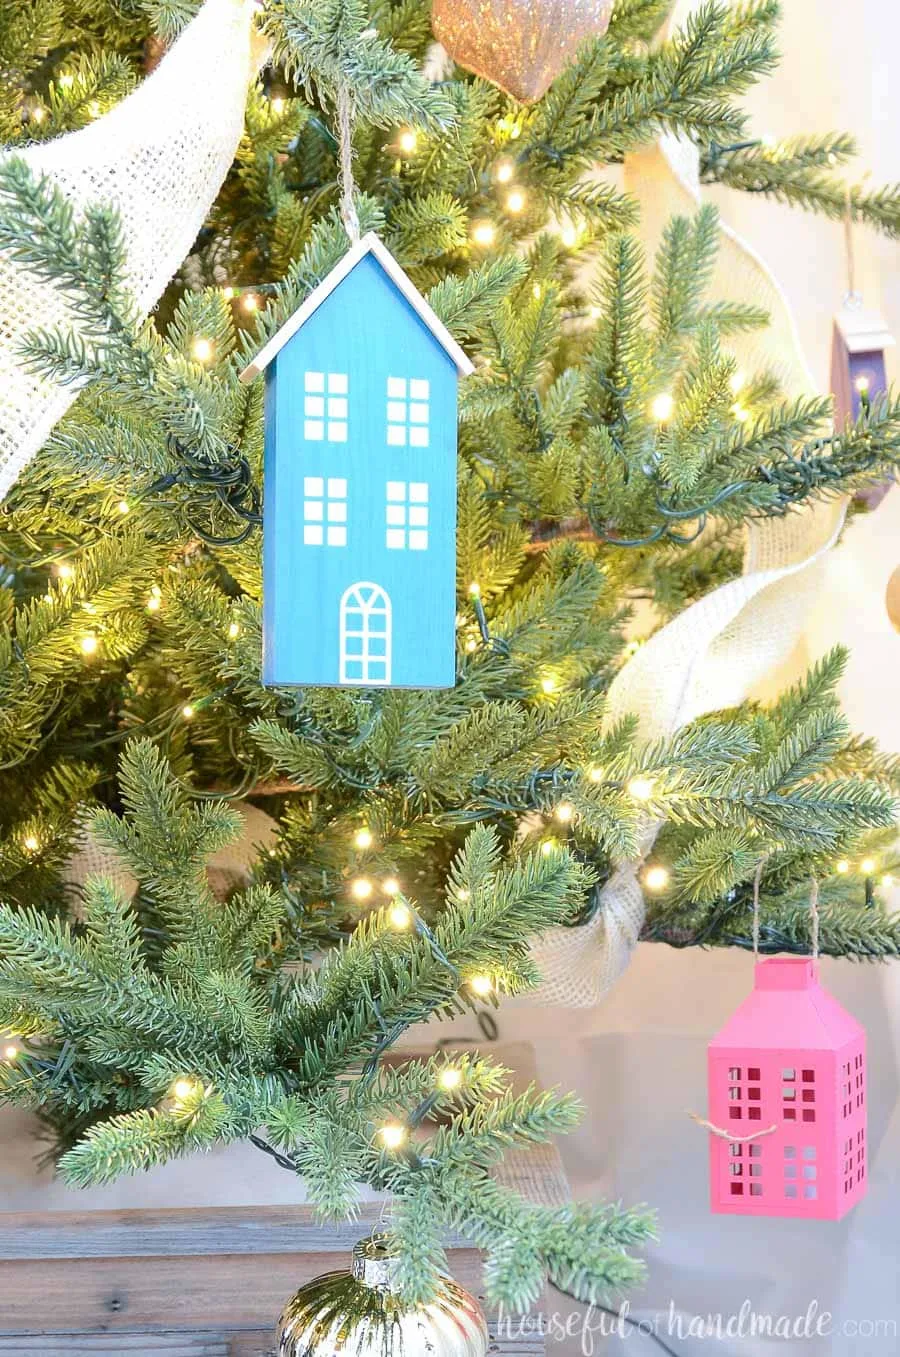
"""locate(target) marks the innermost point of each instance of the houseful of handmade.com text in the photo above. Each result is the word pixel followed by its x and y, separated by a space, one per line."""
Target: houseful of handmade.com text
pixel 594 1325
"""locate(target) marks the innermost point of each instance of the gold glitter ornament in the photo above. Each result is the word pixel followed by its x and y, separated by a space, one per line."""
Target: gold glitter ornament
pixel 892 599
pixel 520 45
pixel 359 1314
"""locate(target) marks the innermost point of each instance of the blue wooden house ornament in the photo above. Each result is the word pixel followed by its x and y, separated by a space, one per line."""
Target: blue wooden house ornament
pixel 359 535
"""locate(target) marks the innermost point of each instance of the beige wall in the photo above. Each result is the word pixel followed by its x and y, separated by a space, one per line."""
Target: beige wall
pixel 839 73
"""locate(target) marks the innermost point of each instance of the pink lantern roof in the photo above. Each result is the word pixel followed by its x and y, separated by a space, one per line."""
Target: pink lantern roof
pixel 788 1009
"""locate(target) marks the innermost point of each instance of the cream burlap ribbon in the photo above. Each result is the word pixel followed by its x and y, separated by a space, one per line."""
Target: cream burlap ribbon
pixel 721 649
pixel 159 157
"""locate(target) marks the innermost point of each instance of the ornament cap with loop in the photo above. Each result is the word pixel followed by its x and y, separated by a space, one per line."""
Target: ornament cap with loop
pixel 360 1313
pixel 373 1265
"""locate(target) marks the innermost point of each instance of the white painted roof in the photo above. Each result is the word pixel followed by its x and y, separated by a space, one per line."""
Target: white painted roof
pixel 862 329
pixel 370 244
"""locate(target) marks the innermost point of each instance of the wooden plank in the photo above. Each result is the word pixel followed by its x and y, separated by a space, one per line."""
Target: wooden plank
pixel 182 1230
pixel 535 1171
pixel 258 1344
pixel 129 1345
pixel 223 1292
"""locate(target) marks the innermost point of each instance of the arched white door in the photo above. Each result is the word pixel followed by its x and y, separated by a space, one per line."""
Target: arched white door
pixel 365 635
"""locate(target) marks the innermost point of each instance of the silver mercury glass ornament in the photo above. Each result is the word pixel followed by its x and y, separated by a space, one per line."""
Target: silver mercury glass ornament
pixel 360 1314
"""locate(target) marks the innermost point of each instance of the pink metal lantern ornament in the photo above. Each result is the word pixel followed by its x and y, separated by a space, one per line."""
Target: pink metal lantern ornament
pixel 787 1097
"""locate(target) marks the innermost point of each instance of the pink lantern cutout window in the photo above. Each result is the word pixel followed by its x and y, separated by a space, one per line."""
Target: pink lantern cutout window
pixel 790 1059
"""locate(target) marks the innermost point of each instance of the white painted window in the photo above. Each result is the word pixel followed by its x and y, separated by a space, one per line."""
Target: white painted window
pixel 325 407
pixel 324 511
pixel 406 515
pixel 366 635
pixel 407 412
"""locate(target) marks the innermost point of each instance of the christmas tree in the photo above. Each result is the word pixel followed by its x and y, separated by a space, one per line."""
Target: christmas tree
pixel 610 451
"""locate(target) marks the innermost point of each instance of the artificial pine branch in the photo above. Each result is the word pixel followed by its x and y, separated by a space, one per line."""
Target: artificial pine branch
pixel 105 998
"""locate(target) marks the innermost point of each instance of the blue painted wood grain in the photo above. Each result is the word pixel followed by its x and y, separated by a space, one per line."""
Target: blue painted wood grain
pixel 368 330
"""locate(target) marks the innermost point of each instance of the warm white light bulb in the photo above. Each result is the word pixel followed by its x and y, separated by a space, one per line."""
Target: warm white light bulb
pixel 187 711
pixel 400 917
pixel 737 381
pixel 662 407
pixel 548 846
pixel 740 414
pixel 89 644
pixel 31 843
pixel 361 888
pixel 596 774
pixel 564 812
pixel 390 885
pixel 64 571
pixel 481 984
pixel 548 685
pixel 10 1052
pixel 862 385
pixel 483 233
pixel 277 104
pixel 393 1135
pixel 363 838
pixel 656 878
pixel 123 506
pixel 504 171
pixel 641 788
pixel 515 201
pixel 182 1088
pixel 233 630
pixel 867 866
pixel 450 1078
pixel 66 80
pixel 843 867
pixel 408 141
pixel 201 349
pixel 250 302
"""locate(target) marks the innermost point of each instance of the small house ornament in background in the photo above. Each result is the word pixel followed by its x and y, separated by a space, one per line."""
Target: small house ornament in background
pixel 858 371
pixel 787 1100
pixel 359 535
